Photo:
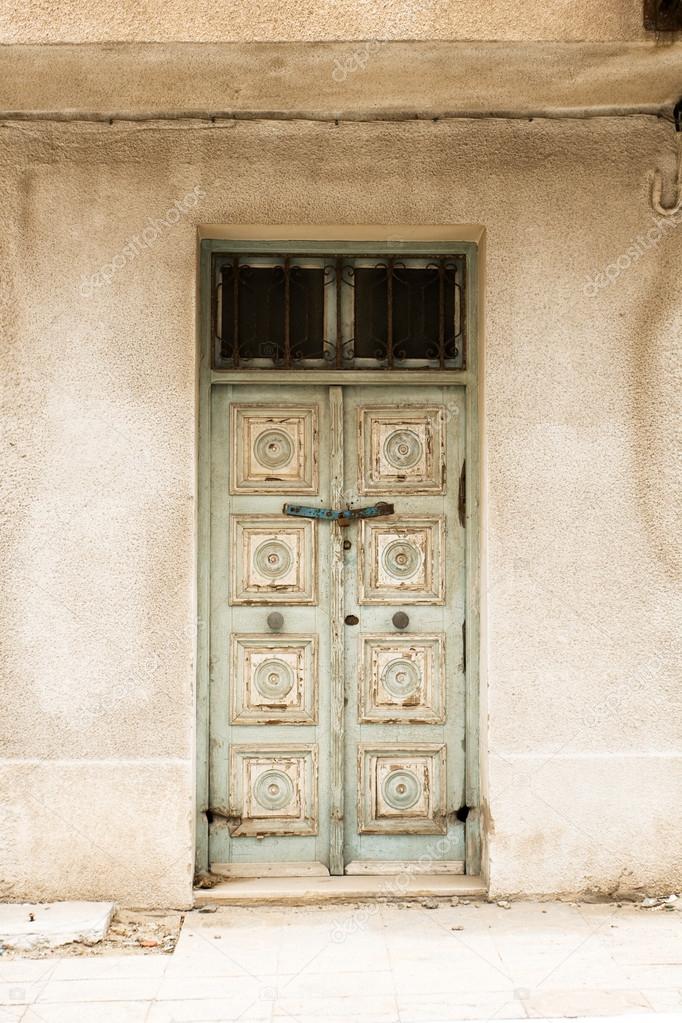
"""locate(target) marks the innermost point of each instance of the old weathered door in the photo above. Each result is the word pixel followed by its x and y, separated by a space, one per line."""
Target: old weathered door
pixel 404 584
pixel 337 683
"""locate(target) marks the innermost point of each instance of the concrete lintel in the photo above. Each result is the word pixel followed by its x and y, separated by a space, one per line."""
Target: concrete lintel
pixel 349 81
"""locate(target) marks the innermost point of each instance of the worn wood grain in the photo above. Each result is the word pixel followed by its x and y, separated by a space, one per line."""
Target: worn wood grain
pixel 337 674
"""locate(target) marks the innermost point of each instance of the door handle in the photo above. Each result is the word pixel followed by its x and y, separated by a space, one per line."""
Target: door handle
pixel 343 516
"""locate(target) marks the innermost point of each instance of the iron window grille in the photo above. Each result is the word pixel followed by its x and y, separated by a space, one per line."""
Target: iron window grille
pixel 333 311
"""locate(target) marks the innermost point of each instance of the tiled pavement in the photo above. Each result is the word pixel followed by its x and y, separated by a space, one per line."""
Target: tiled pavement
pixel 373 964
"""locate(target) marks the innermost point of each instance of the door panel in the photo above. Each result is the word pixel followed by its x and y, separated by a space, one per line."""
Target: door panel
pixel 402 563
pixel 401 450
pixel 274 560
pixel 399 683
pixel 405 682
pixel 270 653
pixel 275 449
pixel 274 788
pixel 273 680
pixel 336 744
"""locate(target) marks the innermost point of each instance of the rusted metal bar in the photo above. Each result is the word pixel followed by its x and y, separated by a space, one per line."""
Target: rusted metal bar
pixel 389 313
pixel 287 315
pixel 216 331
pixel 461 265
pixel 462 496
pixel 441 313
pixel 342 515
pixel 338 355
pixel 235 312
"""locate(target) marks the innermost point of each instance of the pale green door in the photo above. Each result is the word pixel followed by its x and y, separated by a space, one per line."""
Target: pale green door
pixel 337 683
pixel 404 672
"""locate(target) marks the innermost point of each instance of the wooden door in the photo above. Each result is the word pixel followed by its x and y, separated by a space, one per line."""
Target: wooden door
pixel 404 671
pixel 270 650
pixel 336 683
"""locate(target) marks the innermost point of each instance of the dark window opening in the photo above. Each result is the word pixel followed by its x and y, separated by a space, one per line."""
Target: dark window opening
pixel 409 311
pixel 336 311
pixel 663 15
pixel 270 312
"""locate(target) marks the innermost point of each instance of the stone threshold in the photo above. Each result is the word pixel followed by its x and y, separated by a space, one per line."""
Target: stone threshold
pixel 305 891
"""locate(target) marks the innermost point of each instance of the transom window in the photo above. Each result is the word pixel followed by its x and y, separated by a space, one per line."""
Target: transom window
pixel 370 311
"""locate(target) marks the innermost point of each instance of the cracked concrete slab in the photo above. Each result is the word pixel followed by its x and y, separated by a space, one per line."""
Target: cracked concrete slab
pixel 26 925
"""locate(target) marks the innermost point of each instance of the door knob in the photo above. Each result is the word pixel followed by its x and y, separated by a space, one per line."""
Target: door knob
pixel 400 620
pixel 275 621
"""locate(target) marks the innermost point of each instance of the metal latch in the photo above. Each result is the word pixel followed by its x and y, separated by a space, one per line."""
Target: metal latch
pixel 344 516
pixel 232 819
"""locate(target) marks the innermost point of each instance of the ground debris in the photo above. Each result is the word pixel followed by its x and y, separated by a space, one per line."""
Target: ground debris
pixel 131 932
pixel 204 879
pixel 666 902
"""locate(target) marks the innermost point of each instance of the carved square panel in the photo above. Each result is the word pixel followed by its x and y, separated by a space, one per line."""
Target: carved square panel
pixel 402 679
pixel 401 450
pixel 402 564
pixel 273 680
pixel 274 560
pixel 274 449
pixel 402 789
pixel 273 789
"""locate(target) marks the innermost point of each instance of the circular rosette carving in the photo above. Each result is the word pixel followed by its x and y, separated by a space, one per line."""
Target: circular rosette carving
pixel 401 789
pixel 401 678
pixel 401 559
pixel 273 559
pixel 274 680
pixel 403 449
pixel 274 449
pixel 273 790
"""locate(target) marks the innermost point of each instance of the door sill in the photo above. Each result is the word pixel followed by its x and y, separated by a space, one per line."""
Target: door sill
pixel 400 867
pixel 301 891
pixel 263 870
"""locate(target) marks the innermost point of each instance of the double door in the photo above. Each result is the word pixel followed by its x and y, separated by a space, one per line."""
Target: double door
pixel 337 719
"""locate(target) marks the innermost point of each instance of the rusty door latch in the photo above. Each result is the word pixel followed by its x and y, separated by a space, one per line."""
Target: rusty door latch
pixel 220 813
pixel 344 516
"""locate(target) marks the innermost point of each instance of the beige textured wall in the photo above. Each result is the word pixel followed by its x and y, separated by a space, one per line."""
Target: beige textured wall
pixel 280 20
pixel 583 622
pixel 337 80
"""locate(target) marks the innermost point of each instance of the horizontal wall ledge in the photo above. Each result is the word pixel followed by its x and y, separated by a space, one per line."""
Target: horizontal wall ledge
pixel 345 81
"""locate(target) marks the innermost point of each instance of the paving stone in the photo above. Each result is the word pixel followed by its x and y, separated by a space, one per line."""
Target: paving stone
pixel 26 925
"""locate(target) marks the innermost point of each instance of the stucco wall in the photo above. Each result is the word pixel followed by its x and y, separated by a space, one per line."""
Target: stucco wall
pixel 234 20
pixel 583 760
pixel 337 80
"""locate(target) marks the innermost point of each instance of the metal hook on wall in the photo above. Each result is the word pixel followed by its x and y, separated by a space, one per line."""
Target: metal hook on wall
pixel 657 186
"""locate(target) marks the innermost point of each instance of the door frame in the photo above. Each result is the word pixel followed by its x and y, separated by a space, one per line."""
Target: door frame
pixel 427 240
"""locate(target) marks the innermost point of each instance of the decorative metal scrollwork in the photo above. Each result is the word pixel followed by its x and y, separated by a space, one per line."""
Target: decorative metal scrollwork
pixel 339 312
